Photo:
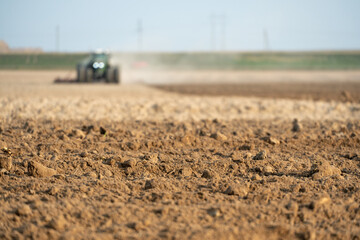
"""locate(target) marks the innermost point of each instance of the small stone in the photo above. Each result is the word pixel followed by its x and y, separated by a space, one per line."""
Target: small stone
pixel 134 225
pixel 78 133
pixel 5 162
pixel 246 147
pixel 64 137
pixel 214 212
pixel 218 136
pixel 203 132
pixel 268 169
pixel 83 154
pixel 236 190
pixel 324 169
pixel 187 139
pixel 256 177
pixel 209 175
pixel 107 173
pixel 151 157
pixel 271 140
pixel 87 129
pixel 38 170
pixel 52 191
pixel 260 155
pixel 186 171
pixel 102 131
pixel 58 223
pixel 91 174
pixel 133 145
pixel 129 163
pixel 296 126
pixel 23 210
pixel 319 202
pixel 149 184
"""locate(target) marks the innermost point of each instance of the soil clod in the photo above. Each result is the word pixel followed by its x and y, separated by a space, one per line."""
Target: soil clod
pixel 36 169
pixel 260 155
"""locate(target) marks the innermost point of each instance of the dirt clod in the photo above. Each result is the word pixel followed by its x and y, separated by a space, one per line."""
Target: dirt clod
pixel 210 175
pixel 218 136
pixel 156 173
pixel 246 147
pixel 271 140
pixel 5 161
pixel 23 210
pixel 214 212
pixel 36 169
pixel 129 163
pixel 83 154
pixel 324 200
pixel 186 171
pixel 324 169
pixel 296 127
pixel 260 155
pixel 78 133
pixel 102 131
pixel 58 223
pixel 236 190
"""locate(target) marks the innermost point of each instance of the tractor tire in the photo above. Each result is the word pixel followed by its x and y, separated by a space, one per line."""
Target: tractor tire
pixel 116 78
pixel 112 75
pixel 81 73
pixel 89 75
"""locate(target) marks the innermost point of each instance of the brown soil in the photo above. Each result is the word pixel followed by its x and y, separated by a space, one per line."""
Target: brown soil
pixel 146 164
pixel 326 91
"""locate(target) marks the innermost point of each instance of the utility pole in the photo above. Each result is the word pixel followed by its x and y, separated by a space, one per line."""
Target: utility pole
pixel 213 32
pixel 218 41
pixel 57 38
pixel 266 40
pixel 223 32
pixel 140 34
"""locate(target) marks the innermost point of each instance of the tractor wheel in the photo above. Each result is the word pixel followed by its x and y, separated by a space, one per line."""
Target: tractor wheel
pixel 109 75
pixel 89 75
pixel 81 73
pixel 116 78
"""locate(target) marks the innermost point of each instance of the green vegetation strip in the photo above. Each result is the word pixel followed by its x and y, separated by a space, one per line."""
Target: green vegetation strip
pixel 40 61
pixel 221 61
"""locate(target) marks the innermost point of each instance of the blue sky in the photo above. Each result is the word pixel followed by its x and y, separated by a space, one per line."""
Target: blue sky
pixel 182 25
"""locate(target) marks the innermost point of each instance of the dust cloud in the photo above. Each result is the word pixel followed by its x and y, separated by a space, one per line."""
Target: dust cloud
pixel 150 68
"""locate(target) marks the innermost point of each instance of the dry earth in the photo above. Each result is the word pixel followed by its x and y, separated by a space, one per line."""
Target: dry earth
pixel 137 162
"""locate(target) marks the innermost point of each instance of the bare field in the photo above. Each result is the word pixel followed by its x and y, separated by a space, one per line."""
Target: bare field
pixel 138 161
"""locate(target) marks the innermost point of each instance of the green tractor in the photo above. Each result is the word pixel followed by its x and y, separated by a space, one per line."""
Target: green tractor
pixel 96 68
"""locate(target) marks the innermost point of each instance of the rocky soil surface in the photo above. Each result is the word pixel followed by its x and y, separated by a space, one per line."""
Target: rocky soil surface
pixel 133 162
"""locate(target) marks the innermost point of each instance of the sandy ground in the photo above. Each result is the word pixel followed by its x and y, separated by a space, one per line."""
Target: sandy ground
pixel 138 161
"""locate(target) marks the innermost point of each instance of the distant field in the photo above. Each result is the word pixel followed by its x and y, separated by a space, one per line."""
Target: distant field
pixel 40 61
pixel 220 61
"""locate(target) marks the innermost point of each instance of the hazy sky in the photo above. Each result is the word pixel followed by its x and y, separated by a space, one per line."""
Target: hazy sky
pixel 184 25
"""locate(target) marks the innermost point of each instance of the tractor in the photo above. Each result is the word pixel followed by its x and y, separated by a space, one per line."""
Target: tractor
pixel 96 68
